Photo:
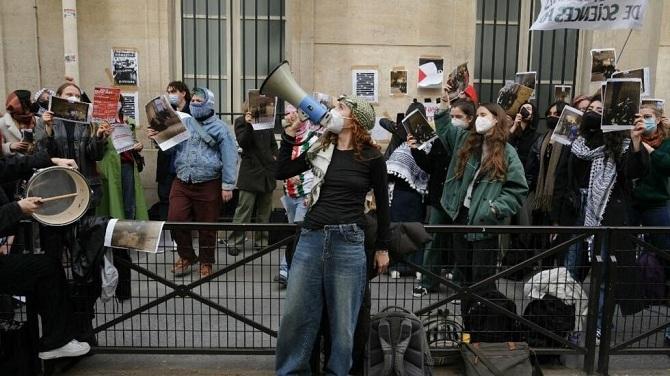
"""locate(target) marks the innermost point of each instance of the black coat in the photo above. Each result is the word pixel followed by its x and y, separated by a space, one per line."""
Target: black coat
pixel 435 164
pixel 523 142
pixel 259 150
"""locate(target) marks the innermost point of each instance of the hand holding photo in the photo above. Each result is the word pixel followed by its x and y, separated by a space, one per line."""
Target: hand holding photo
pixel 458 81
pixel 602 64
pixel 512 96
pixel 65 109
pixel 417 125
pixel 527 79
pixel 622 102
pixel 163 119
pixel 567 128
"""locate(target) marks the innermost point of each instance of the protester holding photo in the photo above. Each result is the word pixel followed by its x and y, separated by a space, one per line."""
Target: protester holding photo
pixel 439 250
pixel 255 180
pixel 329 267
pixel 206 166
pixel 485 185
pixel 523 133
pixel 17 121
pixel 649 161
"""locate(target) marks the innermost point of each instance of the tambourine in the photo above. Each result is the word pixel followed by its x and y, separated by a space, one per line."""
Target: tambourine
pixel 65 194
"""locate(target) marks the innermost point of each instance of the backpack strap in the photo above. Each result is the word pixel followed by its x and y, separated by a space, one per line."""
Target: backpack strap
pixel 401 345
pixel 204 135
pixel 384 330
pixel 479 355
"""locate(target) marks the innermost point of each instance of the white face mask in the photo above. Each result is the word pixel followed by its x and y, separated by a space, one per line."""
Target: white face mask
pixel 336 123
pixel 483 125
pixel 459 123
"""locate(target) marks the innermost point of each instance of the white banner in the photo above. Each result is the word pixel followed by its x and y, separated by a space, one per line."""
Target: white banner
pixel 590 14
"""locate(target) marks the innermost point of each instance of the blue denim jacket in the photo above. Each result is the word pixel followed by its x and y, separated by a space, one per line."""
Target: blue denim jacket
pixel 197 162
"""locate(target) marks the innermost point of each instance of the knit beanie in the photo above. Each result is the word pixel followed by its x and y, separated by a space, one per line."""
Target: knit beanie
pixel 361 110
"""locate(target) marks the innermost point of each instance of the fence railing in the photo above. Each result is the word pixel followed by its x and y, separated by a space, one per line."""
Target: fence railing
pixel 237 309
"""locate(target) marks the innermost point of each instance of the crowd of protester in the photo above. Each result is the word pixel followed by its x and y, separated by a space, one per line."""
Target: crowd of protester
pixel 484 168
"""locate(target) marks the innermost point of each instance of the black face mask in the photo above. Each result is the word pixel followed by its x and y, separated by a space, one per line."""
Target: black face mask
pixel 591 121
pixel 551 122
pixel 525 114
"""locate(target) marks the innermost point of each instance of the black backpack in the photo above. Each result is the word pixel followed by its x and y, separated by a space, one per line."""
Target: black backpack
pixel 397 345
pixel 484 324
pixel 444 335
pixel 552 314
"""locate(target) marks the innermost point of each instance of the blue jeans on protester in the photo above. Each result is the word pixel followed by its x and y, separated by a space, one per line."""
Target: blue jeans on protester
pixel 296 208
pixel 328 267
pixel 573 256
pixel 128 189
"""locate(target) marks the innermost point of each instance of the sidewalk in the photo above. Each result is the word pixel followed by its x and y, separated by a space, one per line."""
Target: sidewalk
pixel 262 365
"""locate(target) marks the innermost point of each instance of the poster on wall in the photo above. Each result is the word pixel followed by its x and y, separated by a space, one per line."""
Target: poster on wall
pixel 431 70
pixel 365 83
pixel 399 81
pixel 131 106
pixel 125 67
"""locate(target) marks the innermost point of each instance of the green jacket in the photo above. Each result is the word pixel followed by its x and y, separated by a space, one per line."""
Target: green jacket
pixel 112 194
pixel 493 201
pixel 650 174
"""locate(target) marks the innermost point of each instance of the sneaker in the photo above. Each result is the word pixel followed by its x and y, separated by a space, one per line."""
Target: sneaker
pixel 72 348
pixel 181 267
pixel 419 291
pixel 394 274
pixel 205 270
pixel 598 334
pixel 282 280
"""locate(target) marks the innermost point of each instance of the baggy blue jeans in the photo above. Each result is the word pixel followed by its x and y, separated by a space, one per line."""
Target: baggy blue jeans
pixel 328 267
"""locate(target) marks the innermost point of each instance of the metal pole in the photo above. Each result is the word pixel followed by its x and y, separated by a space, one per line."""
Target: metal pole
pixel 70 45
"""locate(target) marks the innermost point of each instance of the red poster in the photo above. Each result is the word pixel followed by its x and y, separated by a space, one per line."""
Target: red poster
pixel 105 104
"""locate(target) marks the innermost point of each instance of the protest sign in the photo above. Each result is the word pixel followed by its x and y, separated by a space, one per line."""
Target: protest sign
pixel 125 66
pixel 602 64
pixel 365 83
pixel 622 102
pixel 262 110
pixel 105 104
pixel 131 106
pixel 163 119
pixel 640 73
pixel 430 72
pixel 526 79
pixel 567 128
pixel 512 96
pixel 590 14
pixel 65 109
pixel 122 137
pixel 398 81
pixel 458 80
pixel 563 93
pixel 417 125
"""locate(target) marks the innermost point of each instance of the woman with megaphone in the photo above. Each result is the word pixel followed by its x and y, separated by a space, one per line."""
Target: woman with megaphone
pixel 329 264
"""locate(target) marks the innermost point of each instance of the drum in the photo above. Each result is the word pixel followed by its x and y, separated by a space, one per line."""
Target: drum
pixel 65 193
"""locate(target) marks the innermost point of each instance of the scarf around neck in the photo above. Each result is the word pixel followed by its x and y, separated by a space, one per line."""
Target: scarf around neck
pixel 401 164
pixel 544 192
pixel 601 179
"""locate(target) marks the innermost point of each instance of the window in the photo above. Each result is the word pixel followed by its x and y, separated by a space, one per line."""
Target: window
pixel 229 46
pixel 504 46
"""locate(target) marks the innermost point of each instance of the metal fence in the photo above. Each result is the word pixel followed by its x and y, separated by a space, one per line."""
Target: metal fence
pixel 237 309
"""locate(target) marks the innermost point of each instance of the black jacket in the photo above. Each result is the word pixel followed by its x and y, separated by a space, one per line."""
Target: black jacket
pixel 435 164
pixel 523 142
pixel 13 167
pixel 259 150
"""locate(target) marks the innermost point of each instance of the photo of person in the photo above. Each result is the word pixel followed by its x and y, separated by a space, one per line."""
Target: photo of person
pixel 512 96
pixel 567 128
pixel 70 110
pixel 262 109
pixel 622 102
pixel 602 64
pixel 563 93
pixel 399 82
pixel 526 79
pixel 458 80
pixel 166 121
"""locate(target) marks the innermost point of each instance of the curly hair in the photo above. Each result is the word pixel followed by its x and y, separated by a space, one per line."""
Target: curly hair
pixel 360 136
pixel 495 164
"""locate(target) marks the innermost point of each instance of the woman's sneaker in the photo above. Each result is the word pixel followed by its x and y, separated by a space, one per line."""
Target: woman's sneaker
pixel 72 348
pixel 419 291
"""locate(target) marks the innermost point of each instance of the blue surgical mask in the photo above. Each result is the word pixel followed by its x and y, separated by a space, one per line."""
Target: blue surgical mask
pixel 649 125
pixel 174 99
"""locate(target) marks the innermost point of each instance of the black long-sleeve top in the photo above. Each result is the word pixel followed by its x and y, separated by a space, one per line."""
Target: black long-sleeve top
pixel 435 164
pixel 342 196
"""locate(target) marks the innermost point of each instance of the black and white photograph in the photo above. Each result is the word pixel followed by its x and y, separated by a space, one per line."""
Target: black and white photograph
pixel 639 73
pixel 458 80
pixel 512 96
pixel 262 110
pixel 140 236
pixel 417 125
pixel 399 81
pixel 567 128
pixel 602 64
pixel 65 109
pixel 622 102
pixel 167 122
pixel 365 83
pixel 125 66
pixel 527 79
pixel 563 93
